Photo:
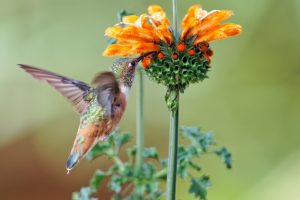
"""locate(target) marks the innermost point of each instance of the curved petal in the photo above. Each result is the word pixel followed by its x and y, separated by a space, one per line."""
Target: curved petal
pixel 213 19
pixel 131 33
pixel 157 13
pixel 117 50
pixel 129 19
pixel 161 23
pixel 222 32
pixel 198 21
pixel 141 48
pixel 191 19
pixel 128 50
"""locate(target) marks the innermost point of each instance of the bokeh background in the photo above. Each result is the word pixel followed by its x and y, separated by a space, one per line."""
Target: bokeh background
pixel 251 101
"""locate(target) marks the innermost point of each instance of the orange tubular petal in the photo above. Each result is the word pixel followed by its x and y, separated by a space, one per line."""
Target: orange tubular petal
pixel 190 19
pixel 144 48
pixel 131 33
pixel 158 14
pixel 205 22
pixel 117 50
pixel 160 22
pixel 224 31
pixel 212 19
pixel 130 19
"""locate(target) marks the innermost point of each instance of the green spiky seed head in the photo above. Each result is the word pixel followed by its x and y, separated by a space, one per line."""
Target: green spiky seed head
pixel 179 65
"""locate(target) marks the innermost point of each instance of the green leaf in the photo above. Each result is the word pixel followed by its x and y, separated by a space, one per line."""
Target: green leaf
pixel 152 187
pixel 182 162
pixel 206 140
pixel 193 151
pixel 199 186
pixel 97 179
pixel 121 139
pixel 151 153
pixel 84 194
pixel 148 170
pixel 115 183
pixel 226 156
pixel 122 14
pixel 131 152
pixel 198 138
pixel 98 150
pixel 113 169
pixel 128 171
pixel 112 40
pixel 194 166
pixel 191 133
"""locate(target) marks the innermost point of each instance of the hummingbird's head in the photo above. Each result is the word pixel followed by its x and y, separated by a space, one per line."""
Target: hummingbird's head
pixel 124 69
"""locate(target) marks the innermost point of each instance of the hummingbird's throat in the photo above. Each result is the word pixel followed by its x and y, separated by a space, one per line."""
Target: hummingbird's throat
pixel 125 90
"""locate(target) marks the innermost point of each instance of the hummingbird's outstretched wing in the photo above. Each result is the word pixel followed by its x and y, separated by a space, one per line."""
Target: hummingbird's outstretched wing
pixel 76 92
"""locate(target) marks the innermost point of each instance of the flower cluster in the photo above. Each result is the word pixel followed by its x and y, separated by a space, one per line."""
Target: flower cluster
pixel 175 61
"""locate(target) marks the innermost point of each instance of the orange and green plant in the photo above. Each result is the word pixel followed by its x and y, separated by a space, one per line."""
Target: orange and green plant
pixel 175 58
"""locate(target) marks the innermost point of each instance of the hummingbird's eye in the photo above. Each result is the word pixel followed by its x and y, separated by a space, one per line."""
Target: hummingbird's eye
pixel 132 64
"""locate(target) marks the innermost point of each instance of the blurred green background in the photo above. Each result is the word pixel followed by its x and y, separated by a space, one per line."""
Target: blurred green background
pixel 251 101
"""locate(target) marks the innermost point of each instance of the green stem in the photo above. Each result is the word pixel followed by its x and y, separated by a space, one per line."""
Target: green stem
pixel 161 174
pixel 140 121
pixel 175 18
pixel 173 146
pixel 173 138
pixel 119 162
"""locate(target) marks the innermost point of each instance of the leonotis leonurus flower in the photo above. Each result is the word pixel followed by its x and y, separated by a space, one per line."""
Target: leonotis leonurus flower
pixel 175 61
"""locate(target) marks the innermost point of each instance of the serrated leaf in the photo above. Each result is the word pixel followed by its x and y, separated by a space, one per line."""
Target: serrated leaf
pixel 115 183
pixel 226 156
pixel 182 162
pixel 199 186
pixel 151 153
pixel 128 171
pixel 84 194
pixel 148 170
pixel 131 152
pixel 191 133
pixel 206 140
pixel 97 179
pixel 164 163
pixel 98 150
pixel 111 40
pixel 121 139
pixel 113 169
pixel 151 187
pixel 194 166
pixel 193 151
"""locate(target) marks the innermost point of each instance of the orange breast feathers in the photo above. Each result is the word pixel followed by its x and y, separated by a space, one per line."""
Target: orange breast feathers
pixel 106 126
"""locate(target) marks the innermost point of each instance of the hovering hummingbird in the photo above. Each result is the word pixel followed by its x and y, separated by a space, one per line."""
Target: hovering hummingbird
pixel 100 106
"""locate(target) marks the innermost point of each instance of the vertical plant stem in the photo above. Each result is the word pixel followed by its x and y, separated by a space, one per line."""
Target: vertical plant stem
pixel 140 121
pixel 173 137
pixel 173 146
pixel 175 18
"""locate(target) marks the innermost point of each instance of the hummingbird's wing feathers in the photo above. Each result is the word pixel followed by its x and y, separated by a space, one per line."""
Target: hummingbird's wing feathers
pixel 107 90
pixel 76 92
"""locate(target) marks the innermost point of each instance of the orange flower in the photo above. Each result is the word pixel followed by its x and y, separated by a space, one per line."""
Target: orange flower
pixel 147 32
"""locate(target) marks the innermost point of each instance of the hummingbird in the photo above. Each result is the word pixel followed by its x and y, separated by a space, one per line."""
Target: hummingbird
pixel 100 105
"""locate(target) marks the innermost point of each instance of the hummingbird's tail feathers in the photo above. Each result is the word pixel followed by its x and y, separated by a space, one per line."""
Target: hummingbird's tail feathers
pixel 85 140
pixel 76 92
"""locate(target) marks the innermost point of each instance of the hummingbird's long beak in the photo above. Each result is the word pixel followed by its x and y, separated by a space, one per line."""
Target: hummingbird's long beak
pixel 138 59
